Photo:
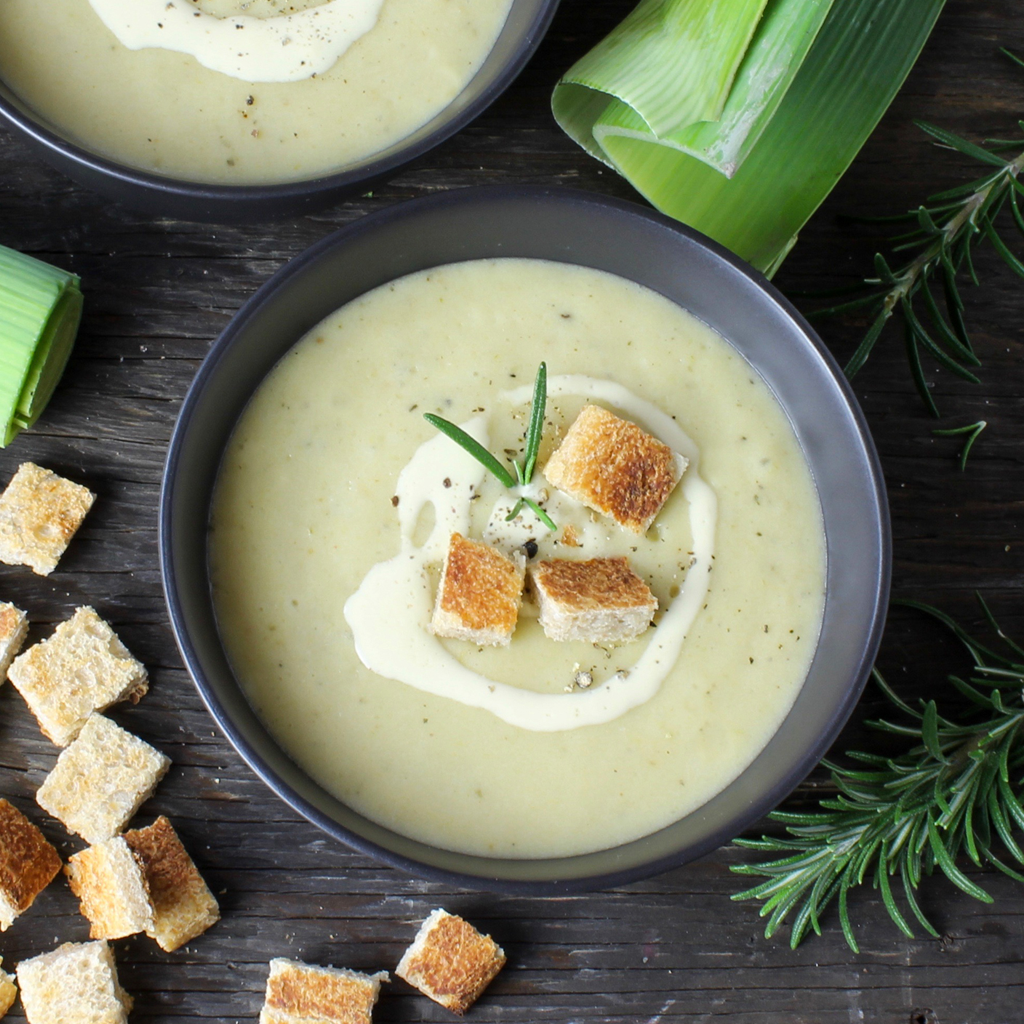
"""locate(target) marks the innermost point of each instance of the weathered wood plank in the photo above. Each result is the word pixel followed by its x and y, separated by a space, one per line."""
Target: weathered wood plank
pixel 671 948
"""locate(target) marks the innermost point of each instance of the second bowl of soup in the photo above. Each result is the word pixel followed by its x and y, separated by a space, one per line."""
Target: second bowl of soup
pixel 217 109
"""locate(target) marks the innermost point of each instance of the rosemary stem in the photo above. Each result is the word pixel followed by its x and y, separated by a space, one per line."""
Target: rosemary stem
pixel 950 230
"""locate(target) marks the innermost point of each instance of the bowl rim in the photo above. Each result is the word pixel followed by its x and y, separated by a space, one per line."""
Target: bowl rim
pixel 20 116
pixel 548 887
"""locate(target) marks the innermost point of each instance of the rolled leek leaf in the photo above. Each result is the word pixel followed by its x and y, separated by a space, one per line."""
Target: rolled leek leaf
pixel 592 108
pixel 40 309
pixel 696 47
pixel 814 82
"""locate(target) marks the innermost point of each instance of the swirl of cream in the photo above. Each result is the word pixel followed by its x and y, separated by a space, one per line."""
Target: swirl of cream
pixel 389 612
pixel 284 48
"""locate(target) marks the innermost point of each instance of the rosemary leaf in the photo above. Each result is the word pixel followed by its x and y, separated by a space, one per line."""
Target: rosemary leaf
pixel 533 435
pixel 972 430
pixel 541 514
pixel 471 445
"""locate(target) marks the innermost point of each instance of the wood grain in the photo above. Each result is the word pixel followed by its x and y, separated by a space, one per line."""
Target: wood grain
pixel 674 948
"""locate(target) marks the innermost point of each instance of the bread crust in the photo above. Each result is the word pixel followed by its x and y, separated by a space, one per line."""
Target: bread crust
pixel 183 906
pixel 319 995
pixel 479 595
pixel 83 667
pixel 75 982
pixel 600 600
pixel 28 863
pixel 13 630
pixel 615 468
pixel 110 883
pixel 101 780
pixel 39 514
pixel 8 990
pixel 450 961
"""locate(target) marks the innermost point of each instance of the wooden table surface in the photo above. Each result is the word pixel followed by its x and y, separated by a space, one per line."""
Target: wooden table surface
pixel 671 948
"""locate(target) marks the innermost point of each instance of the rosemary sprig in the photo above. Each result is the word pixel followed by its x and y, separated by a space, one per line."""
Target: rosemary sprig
pixel 941 237
pixel 956 790
pixel 972 430
pixel 524 471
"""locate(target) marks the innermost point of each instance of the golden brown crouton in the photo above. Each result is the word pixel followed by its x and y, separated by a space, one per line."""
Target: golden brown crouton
pixel 450 961
pixel 28 863
pixel 82 668
pixel 39 514
pixel 479 594
pixel 110 883
pixel 8 990
pixel 601 600
pixel 183 906
pixel 13 629
pixel 101 780
pixel 298 992
pixel 615 468
pixel 76 982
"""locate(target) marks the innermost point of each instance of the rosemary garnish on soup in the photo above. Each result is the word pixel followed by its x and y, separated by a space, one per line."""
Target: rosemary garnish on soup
pixel 524 470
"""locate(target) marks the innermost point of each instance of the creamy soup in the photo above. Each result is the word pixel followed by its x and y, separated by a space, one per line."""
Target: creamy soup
pixel 333 478
pixel 161 110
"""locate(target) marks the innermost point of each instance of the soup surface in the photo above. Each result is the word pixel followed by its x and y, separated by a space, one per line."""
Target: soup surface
pixel 162 111
pixel 309 500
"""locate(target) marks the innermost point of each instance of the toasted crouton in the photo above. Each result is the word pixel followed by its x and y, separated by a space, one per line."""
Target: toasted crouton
pixel 601 600
pixel 8 990
pixel 28 863
pixel 82 668
pixel 39 514
pixel 450 961
pixel 479 595
pixel 76 983
pixel 110 883
pixel 615 468
pixel 13 630
pixel 183 906
pixel 101 780
pixel 298 992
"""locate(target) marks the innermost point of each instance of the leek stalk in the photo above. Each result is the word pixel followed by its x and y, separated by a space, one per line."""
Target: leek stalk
pixel 813 83
pixel 40 310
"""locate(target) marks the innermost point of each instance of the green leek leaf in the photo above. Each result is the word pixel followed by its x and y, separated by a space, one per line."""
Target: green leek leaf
pixel 696 47
pixel 843 83
pixel 40 310
pixel 777 49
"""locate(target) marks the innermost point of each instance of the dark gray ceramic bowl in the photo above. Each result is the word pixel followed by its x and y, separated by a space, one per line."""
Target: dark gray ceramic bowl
pixel 579 228
pixel 527 22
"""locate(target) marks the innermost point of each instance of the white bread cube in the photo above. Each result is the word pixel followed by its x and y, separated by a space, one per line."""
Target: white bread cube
pixel 82 668
pixel 110 883
pixel 101 780
pixel 39 514
pixel 28 863
pixel 8 990
pixel 13 630
pixel 450 961
pixel 75 984
pixel 615 468
pixel 298 992
pixel 479 595
pixel 183 906
pixel 600 601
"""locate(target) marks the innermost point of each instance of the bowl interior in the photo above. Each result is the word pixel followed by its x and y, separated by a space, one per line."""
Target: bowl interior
pixel 653 251
pixel 520 36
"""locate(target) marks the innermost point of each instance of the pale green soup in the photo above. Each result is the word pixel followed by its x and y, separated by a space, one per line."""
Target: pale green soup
pixel 303 510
